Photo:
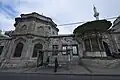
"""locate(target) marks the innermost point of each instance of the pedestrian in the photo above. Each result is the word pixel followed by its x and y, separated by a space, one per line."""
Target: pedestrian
pixel 56 65
pixel 47 61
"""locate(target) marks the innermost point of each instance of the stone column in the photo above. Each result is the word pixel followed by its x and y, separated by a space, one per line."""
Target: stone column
pixel 11 49
pixel 91 44
pixel 6 48
pixel 27 49
pixel 113 42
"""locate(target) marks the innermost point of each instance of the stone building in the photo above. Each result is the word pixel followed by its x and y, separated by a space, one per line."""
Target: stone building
pixel 116 32
pixel 36 36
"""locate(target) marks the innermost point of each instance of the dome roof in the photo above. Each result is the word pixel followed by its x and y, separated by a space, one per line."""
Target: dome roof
pixel 97 25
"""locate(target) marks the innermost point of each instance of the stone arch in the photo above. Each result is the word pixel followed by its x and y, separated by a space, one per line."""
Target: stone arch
pixel 106 47
pixel 15 43
pixel 38 40
pixel 40 29
pixel 36 47
pixel 24 27
pixel 1 47
pixel 18 50
pixel 20 39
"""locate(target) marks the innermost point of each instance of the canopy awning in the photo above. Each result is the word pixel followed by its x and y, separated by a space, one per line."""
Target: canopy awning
pixel 97 25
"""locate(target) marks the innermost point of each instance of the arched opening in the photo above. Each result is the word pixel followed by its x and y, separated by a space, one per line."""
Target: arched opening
pixel 37 47
pixel 107 50
pixel 92 45
pixel 87 44
pixel 18 50
pixel 1 49
pixel 40 59
pixel 36 50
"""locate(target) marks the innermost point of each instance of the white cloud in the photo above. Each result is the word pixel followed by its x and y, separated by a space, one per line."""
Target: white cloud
pixel 6 24
pixel 61 11
pixel 55 9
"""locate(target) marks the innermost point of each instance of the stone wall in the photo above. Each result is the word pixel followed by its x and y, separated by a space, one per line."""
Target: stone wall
pixel 99 63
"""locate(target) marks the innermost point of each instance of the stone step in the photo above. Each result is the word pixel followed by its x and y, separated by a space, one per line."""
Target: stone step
pixel 101 63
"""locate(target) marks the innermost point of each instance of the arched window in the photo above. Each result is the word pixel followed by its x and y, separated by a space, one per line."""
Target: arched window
pixel 107 50
pixel 1 49
pixel 40 29
pixel 87 45
pixel 18 50
pixel 24 27
pixel 95 45
pixel 92 44
pixel 36 48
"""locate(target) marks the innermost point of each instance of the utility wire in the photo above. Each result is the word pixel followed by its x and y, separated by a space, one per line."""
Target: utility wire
pixel 84 22
pixel 81 22
pixel 71 23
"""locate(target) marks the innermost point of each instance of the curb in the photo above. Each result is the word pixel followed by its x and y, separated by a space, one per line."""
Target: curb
pixel 78 74
pixel 69 74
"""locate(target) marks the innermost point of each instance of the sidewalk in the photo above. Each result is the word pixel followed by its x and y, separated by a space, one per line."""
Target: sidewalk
pixel 109 71
pixel 72 70
pixel 50 70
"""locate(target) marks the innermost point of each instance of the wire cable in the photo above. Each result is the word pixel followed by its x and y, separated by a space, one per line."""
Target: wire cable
pixel 85 21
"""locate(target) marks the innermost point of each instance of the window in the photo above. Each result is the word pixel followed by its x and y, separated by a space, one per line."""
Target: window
pixel 101 44
pixel 24 27
pixel 1 49
pixel 87 45
pixel 95 45
pixel 64 47
pixel 40 29
pixel 119 50
pixel 49 28
pixel 68 49
pixel 55 47
pixel 37 47
pixel 107 49
pixel 53 33
pixel 75 50
pixel 18 50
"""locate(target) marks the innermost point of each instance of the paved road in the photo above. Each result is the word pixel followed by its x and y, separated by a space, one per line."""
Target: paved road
pixel 20 76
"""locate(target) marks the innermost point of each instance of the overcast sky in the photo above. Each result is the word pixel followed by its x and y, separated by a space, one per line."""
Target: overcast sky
pixel 61 11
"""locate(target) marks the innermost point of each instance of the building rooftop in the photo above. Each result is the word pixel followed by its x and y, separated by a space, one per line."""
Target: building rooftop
pixel 3 36
pixel 37 17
